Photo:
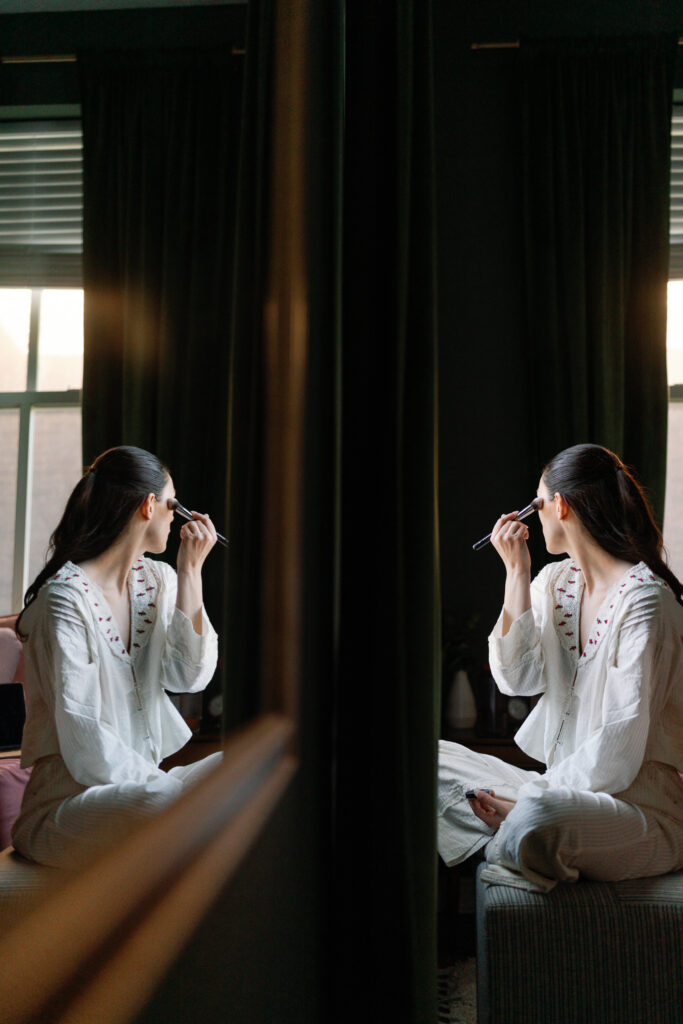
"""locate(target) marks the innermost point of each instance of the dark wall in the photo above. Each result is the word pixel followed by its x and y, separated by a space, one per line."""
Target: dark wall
pixel 32 34
pixel 485 436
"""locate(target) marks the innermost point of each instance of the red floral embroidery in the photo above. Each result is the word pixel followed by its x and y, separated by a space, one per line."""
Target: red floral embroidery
pixel 144 577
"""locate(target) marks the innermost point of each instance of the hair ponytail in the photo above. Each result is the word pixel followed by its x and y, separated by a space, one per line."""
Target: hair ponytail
pixel 98 509
pixel 612 506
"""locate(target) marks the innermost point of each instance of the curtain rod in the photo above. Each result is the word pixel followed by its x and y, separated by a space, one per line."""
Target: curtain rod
pixel 496 46
pixel 47 58
pixel 513 45
pixel 70 58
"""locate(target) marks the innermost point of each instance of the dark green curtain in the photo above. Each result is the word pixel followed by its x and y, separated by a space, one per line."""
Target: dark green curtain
pixel 596 137
pixel 160 152
pixel 242 697
pixel 385 723
pixel 369 686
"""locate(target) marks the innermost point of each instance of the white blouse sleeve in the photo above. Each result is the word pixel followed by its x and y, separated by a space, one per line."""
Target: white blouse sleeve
pixel 189 659
pixel 89 745
pixel 609 759
pixel 517 659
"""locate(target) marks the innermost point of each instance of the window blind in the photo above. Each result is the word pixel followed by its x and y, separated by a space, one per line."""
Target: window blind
pixel 41 203
pixel 676 201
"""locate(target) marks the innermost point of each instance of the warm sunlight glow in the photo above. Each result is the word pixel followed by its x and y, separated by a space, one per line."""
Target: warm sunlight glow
pixel 60 341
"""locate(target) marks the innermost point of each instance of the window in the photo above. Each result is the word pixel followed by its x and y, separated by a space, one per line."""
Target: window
pixel 41 339
pixel 41 369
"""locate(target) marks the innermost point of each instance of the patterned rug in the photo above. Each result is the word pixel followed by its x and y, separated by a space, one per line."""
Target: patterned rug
pixel 457 992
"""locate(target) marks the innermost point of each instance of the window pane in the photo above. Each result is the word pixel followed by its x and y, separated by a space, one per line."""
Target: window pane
pixel 673 521
pixel 9 441
pixel 674 333
pixel 60 343
pixel 15 317
pixel 55 472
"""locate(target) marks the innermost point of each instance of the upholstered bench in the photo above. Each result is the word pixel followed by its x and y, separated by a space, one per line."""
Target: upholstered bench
pixel 584 953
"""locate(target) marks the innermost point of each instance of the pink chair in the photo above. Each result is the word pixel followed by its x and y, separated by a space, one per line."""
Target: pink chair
pixel 11 652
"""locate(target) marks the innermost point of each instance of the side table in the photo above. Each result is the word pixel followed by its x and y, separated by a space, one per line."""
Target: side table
pixel 197 747
pixel 503 747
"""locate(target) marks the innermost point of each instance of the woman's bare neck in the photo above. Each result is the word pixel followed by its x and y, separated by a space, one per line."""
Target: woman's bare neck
pixel 600 570
pixel 110 569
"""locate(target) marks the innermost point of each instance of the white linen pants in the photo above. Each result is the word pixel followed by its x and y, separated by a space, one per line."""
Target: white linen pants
pixel 63 824
pixel 555 833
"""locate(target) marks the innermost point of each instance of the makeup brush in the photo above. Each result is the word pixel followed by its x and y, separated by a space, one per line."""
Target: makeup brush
pixel 533 507
pixel 186 514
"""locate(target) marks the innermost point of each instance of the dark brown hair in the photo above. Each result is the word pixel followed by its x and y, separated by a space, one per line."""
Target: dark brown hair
pixel 99 508
pixel 612 506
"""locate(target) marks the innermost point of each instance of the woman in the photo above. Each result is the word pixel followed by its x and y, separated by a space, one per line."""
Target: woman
pixel 107 631
pixel 600 636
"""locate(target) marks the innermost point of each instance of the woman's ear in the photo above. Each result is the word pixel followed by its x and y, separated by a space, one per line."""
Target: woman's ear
pixel 561 506
pixel 147 507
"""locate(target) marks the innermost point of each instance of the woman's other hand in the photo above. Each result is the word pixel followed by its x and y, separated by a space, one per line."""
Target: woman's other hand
pixel 491 809
pixel 509 538
pixel 196 540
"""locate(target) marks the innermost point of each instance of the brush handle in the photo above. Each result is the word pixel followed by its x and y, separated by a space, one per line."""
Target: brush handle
pixel 535 504
pixel 186 514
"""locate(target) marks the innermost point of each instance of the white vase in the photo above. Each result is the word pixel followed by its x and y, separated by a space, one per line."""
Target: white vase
pixel 461 711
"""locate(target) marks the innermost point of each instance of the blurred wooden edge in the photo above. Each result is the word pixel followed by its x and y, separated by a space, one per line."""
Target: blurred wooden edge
pixel 96 946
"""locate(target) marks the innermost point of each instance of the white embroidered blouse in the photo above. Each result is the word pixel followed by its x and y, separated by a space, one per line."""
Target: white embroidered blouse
pixel 101 707
pixel 607 709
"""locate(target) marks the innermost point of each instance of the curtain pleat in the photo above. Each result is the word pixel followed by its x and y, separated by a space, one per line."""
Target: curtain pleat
pixel 596 140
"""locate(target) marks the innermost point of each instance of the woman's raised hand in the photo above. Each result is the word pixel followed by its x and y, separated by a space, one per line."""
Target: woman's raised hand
pixel 196 540
pixel 509 537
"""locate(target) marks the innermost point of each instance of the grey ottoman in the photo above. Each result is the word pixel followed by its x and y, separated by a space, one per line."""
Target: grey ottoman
pixel 585 953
